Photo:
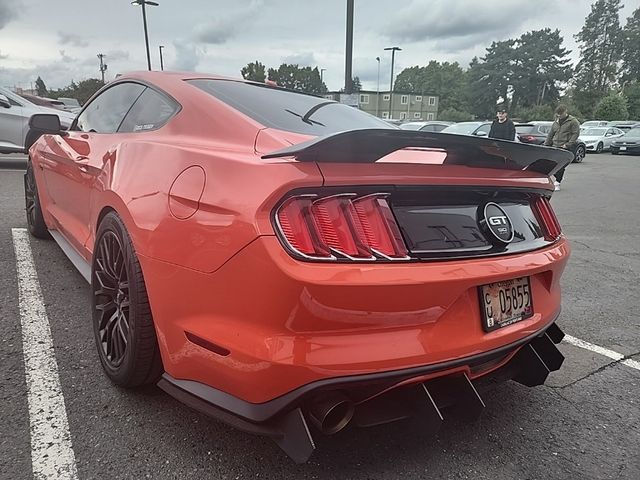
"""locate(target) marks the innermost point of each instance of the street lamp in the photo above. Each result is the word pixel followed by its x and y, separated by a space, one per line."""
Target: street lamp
pixel 160 47
pixel 144 3
pixel 378 90
pixel 393 56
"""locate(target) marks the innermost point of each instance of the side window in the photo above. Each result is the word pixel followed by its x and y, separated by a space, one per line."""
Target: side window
pixel 105 113
pixel 150 112
pixel 483 129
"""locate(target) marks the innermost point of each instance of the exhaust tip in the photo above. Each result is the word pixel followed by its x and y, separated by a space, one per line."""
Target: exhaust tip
pixel 331 412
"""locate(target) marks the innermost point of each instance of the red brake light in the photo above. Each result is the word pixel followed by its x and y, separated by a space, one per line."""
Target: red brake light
pixel 298 227
pixel 380 227
pixel 548 218
pixel 341 226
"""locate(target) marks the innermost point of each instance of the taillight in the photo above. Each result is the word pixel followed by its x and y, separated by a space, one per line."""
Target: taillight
pixel 527 138
pixel 548 218
pixel 341 227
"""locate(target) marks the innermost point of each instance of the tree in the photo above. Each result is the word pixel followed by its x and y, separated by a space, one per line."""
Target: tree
pixel 600 43
pixel 536 112
pixel 254 71
pixel 41 88
pixel 303 79
pixel 631 48
pixel 541 64
pixel 356 84
pixel 632 94
pixel 612 107
pixel 446 80
pixel 82 91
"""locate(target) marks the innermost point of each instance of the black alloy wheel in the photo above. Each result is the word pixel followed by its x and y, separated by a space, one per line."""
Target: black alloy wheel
pixel 122 322
pixel 599 147
pixel 35 220
pixel 579 154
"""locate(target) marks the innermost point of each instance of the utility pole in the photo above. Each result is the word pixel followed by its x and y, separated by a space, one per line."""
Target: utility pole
pixel 160 47
pixel 378 90
pixel 393 56
pixel 144 3
pixel 322 70
pixel 348 77
pixel 103 66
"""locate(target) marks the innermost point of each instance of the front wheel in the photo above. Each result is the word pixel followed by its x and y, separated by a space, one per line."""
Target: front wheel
pixel 122 322
pixel 35 220
pixel 579 154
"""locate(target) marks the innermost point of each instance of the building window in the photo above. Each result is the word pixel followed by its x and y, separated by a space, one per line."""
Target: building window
pixel 385 114
pixel 404 99
pixel 418 98
pixel 432 100
pixel 429 116
pixel 330 97
pixel 403 115
pixel 416 115
pixel 386 97
pixel 364 98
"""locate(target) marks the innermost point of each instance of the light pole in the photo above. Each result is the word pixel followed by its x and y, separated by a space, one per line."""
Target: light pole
pixel 393 56
pixel 160 47
pixel 144 3
pixel 378 90
pixel 322 70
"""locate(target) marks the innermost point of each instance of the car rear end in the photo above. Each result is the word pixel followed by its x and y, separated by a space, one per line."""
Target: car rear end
pixel 417 266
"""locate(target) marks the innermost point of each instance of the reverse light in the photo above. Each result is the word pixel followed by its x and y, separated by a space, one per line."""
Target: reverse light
pixel 341 226
pixel 547 218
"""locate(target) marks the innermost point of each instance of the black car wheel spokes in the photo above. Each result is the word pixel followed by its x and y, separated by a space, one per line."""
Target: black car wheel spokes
pixel 111 291
pixel 30 198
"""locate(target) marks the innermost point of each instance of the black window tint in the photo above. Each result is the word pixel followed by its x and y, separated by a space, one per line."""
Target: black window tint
pixel 286 110
pixel 105 113
pixel 484 129
pixel 150 112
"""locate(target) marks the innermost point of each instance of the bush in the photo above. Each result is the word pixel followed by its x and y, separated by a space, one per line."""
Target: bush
pixel 453 115
pixel 612 107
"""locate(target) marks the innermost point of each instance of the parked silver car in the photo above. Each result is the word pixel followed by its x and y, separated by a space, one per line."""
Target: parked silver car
pixel 15 113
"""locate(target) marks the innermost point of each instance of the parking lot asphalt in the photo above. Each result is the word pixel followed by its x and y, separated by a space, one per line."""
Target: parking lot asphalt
pixel 585 423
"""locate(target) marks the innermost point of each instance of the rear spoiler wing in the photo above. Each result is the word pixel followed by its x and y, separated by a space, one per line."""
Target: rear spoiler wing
pixel 370 145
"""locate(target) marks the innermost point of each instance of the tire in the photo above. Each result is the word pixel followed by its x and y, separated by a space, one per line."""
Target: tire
pixel 579 154
pixel 599 148
pixel 35 220
pixel 122 322
pixel 614 152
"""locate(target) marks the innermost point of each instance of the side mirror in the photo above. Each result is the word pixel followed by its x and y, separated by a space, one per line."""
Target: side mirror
pixel 481 134
pixel 39 124
pixel 4 101
pixel 46 122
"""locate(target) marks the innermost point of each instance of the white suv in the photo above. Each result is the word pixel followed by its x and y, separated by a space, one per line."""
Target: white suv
pixel 15 113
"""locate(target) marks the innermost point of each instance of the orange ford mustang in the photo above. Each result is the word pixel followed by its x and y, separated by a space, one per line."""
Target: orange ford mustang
pixel 276 259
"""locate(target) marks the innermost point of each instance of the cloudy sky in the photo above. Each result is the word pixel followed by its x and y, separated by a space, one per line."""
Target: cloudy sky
pixel 59 40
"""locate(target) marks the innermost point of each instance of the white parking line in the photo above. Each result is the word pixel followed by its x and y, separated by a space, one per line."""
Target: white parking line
pixel 602 351
pixel 51 450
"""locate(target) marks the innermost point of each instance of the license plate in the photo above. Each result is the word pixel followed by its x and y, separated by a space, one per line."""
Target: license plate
pixel 505 303
pixel 622 149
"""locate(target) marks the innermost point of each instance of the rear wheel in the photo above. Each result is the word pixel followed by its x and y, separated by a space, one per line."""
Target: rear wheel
pixel 579 154
pixel 35 220
pixel 122 321
pixel 599 148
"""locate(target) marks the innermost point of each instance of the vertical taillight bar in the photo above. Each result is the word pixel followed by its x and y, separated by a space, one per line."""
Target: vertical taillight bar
pixel 547 218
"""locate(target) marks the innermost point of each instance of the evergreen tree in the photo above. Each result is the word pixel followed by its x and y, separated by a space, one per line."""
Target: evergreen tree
pixel 631 48
pixel 600 43
pixel 612 107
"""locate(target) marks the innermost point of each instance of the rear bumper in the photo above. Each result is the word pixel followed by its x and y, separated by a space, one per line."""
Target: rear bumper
pixel 268 324
pixel 431 392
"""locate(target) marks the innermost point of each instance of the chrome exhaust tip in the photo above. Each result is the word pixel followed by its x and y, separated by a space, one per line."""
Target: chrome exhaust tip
pixel 330 412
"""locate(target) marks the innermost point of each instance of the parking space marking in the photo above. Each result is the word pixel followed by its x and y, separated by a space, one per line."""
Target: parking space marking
pixel 52 454
pixel 602 351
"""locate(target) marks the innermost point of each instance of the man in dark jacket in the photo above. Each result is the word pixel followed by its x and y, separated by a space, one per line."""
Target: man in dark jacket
pixel 502 127
pixel 564 133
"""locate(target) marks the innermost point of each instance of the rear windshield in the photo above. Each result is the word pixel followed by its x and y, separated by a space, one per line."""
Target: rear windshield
pixel 287 110
pixel 464 128
pixel 525 128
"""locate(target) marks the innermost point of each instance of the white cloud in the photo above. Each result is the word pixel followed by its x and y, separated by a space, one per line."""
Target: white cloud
pixel 187 57
pixel 73 40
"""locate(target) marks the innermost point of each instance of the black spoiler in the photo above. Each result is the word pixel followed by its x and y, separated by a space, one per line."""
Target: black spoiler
pixel 370 145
